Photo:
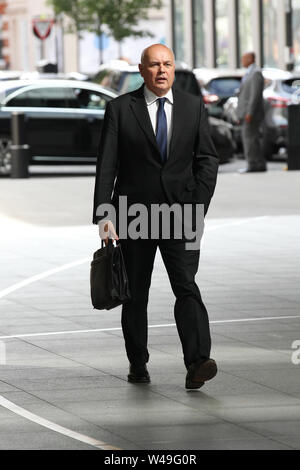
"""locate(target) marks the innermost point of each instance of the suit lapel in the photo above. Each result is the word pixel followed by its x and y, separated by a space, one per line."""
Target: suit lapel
pixel 178 118
pixel 139 108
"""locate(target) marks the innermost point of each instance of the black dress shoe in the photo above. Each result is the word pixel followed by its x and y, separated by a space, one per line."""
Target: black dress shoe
pixel 251 170
pixel 138 374
pixel 198 373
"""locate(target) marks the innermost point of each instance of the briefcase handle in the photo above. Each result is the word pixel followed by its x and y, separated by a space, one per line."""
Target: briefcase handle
pixel 110 243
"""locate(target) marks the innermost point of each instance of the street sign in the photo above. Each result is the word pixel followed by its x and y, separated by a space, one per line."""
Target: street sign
pixel 42 27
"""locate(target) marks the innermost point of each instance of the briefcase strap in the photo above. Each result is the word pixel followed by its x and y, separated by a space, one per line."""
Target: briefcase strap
pixel 110 243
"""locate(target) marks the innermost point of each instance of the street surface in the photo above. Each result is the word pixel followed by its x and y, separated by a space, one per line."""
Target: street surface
pixel 63 368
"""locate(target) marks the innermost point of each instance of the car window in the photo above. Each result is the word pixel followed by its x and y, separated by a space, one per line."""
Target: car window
pixel 224 87
pixel 115 81
pixel 130 81
pixel 108 78
pixel 102 77
pixel 52 97
pixel 291 85
pixel 59 97
pixel 89 99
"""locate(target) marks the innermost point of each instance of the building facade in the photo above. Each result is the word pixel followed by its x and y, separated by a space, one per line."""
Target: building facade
pixel 4 58
pixel 215 33
pixel 22 49
pixel 202 33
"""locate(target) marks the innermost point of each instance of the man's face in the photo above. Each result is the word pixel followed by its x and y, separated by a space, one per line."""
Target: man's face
pixel 158 69
pixel 247 59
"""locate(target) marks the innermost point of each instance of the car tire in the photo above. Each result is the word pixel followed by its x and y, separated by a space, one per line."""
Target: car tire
pixel 268 149
pixel 5 155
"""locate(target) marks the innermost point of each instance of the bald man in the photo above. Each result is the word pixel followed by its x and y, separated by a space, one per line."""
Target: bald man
pixel 155 148
pixel 251 114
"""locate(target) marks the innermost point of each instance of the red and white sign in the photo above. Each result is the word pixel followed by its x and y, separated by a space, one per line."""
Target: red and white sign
pixel 42 28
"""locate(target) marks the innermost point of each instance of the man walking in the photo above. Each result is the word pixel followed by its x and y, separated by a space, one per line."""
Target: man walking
pixel 155 148
pixel 251 113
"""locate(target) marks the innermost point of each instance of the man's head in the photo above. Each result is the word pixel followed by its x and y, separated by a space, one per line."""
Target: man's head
pixel 157 68
pixel 248 59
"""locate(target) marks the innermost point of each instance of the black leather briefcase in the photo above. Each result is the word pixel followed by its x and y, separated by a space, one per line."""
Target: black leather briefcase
pixel 108 277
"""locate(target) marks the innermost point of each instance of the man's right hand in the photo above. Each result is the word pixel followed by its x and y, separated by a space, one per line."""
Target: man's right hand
pixel 107 230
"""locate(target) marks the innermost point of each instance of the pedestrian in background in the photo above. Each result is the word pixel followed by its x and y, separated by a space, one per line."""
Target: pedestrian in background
pixel 156 148
pixel 250 112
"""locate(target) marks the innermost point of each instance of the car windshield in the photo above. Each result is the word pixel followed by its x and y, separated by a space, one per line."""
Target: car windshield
pixel 224 87
pixel 131 81
pixel 291 85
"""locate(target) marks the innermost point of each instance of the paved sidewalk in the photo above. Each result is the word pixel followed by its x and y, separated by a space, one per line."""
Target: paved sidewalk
pixel 66 372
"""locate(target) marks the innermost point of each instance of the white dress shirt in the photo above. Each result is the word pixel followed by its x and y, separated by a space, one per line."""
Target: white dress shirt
pixel 152 106
pixel 248 71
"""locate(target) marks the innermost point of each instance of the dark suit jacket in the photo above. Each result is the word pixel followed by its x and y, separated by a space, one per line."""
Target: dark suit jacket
pixel 129 161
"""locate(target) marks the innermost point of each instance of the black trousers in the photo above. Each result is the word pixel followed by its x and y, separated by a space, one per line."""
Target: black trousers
pixel 190 312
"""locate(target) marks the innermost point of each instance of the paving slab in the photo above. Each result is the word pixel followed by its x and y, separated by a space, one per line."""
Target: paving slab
pixel 249 272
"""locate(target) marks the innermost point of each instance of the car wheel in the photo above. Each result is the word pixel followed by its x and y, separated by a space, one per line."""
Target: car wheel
pixel 5 155
pixel 268 149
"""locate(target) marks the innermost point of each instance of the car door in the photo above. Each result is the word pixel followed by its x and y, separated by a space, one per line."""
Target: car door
pixel 51 124
pixel 91 109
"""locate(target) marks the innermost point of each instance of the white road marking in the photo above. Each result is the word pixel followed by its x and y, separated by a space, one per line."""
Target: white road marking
pixel 50 272
pixel 50 424
pixel 42 275
pixel 240 222
pixel 81 437
pixel 167 325
pixel 53 426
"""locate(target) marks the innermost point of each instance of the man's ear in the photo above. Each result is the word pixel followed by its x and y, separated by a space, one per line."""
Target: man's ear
pixel 141 69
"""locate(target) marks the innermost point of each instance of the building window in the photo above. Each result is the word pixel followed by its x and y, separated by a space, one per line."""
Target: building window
pixel 178 29
pixel 296 32
pixel 222 32
pixel 199 34
pixel 270 33
pixel 245 26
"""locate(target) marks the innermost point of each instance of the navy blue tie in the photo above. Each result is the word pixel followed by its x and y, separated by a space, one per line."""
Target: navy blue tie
pixel 162 130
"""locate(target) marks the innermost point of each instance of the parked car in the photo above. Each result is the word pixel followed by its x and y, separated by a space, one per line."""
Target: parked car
pixel 217 86
pixel 278 94
pixel 63 119
pixel 123 78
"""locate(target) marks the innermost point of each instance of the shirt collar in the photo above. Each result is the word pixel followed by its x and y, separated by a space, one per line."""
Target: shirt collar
pixel 151 97
pixel 251 66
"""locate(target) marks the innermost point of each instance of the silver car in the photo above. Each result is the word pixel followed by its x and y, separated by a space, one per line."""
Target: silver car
pixel 280 87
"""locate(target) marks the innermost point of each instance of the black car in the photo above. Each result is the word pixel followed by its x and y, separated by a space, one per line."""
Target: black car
pixel 123 78
pixel 63 119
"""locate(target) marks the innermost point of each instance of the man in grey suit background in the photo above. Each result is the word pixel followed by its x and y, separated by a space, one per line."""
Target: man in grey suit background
pixel 250 112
